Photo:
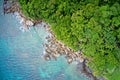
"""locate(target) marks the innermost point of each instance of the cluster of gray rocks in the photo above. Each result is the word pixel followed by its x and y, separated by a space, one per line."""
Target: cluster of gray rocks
pixel 53 47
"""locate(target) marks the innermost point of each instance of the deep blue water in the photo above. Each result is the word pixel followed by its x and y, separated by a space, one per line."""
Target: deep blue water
pixel 21 54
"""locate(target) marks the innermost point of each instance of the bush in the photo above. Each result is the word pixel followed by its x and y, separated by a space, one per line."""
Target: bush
pixel 92 26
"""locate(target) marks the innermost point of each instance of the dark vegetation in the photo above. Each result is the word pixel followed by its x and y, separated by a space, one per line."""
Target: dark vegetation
pixel 92 26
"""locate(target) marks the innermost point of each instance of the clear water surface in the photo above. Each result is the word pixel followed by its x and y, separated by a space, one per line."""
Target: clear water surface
pixel 20 54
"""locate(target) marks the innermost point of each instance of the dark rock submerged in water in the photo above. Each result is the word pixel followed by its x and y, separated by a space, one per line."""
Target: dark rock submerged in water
pixel 54 48
pixel 21 54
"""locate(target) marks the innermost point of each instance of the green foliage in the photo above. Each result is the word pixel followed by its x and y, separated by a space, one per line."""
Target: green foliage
pixel 92 26
pixel 99 29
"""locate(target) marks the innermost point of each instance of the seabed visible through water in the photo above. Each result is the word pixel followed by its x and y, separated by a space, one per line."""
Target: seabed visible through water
pixel 21 54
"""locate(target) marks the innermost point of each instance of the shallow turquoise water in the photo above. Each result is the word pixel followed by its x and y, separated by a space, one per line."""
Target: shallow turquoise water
pixel 20 55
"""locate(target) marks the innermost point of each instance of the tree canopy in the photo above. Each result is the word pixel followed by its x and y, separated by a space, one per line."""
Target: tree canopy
pixel 92 26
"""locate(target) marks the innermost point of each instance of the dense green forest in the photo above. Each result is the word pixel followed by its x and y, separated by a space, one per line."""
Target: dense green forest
pixel 92 26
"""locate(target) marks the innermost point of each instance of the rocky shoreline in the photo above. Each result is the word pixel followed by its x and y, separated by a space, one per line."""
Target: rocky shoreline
pixel 12 6
pixel 53 48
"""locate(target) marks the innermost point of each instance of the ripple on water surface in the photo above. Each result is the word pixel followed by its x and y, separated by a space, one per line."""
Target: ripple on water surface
pixel 20 54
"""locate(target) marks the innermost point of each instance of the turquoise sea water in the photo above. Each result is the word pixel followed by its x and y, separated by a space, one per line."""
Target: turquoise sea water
pixel 20 54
